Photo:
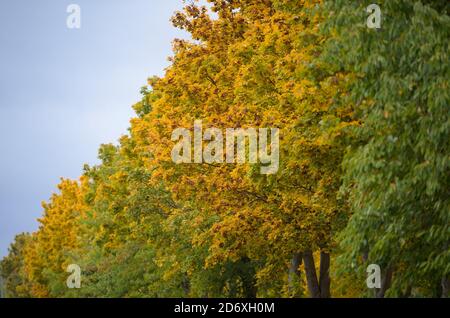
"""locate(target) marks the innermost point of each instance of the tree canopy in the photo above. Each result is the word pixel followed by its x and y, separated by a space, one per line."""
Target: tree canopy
pixel 363 174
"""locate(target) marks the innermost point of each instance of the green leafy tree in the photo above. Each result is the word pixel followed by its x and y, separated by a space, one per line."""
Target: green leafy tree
pixel 15 283
pixel 398 173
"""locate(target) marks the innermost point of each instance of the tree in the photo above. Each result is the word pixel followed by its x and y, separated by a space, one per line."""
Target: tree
pixel 256 65
pixel 397 175
pixel 48 253
pixel 13 281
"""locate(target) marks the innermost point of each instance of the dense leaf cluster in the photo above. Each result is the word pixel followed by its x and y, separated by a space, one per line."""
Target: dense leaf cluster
pixel 364 173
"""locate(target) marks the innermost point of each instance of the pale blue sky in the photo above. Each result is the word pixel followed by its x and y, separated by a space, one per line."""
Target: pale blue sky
pixel 63 91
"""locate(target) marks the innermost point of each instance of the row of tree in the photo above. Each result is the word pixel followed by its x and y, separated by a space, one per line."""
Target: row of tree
pixel 364 172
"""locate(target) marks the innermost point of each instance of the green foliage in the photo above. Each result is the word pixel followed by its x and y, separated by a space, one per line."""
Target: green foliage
pixel 397 173
pixel 11 269
pixel 364 173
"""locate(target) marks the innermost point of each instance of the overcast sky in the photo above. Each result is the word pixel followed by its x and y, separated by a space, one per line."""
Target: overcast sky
pixel 64 91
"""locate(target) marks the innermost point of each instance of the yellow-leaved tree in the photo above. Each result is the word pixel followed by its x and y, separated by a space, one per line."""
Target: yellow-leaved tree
pixel 254 65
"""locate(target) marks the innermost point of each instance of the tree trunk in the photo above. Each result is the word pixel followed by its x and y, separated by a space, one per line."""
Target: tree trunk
pixel 385 283
pixel 294 272
pixel 185 284
pixel 407 292
pixel 324 278
pixel 311 276
pixel 445 287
